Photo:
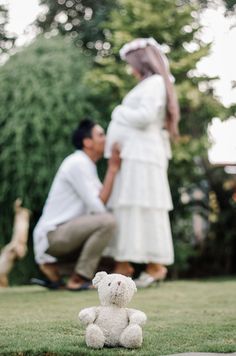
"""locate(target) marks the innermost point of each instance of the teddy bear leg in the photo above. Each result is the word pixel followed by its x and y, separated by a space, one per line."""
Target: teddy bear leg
pixel 94 337
pixel 132 337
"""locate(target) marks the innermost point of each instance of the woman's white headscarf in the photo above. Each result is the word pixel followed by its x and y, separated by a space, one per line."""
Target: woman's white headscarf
pixel 146 55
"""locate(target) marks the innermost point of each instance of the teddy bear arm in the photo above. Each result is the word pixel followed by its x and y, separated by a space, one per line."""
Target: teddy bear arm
pixel 136 317
pixel 88 315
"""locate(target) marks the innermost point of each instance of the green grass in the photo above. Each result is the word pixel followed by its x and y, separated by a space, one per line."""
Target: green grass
pixel 183 316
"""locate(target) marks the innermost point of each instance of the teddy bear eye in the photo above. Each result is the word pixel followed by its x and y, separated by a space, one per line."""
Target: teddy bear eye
pixel 109 284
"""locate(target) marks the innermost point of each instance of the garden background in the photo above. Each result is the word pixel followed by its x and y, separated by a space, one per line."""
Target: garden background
pixel 72 69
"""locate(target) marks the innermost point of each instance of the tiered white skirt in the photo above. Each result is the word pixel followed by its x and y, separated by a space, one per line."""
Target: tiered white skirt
pixel 141 201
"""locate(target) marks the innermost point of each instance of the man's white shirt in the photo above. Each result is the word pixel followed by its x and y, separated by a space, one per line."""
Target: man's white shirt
pixel 74 192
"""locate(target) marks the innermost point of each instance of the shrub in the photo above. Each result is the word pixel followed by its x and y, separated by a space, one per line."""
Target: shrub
pixel 42 98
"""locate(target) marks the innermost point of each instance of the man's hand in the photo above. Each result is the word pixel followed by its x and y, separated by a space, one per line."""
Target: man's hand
pixel 113 167
pixel 115 160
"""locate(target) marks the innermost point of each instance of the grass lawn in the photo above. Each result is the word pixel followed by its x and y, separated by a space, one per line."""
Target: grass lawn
pixel 183 316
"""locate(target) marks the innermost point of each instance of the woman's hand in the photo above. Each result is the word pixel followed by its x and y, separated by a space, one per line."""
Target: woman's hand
pixel 172 128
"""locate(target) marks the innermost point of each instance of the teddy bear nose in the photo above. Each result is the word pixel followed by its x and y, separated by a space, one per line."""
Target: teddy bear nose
pixel 119 283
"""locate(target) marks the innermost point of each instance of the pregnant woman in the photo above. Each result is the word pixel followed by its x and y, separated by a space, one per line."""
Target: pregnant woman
pixel 141 198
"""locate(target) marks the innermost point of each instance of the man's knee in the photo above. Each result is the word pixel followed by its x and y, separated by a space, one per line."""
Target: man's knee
pixel 108 227
pixel 109 221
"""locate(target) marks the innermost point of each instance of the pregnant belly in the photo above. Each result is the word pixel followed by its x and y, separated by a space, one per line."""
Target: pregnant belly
pixel 116 133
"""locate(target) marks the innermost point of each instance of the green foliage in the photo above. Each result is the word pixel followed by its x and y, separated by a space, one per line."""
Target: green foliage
pixel 42 98
pixel 222 236
pixel 78 19
pixel 175 25
pixel 230 5
pixel 6 40
pixel 185 172
pixel 47 87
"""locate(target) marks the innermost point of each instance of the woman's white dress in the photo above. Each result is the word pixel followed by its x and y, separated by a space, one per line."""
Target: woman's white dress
pixel 141 196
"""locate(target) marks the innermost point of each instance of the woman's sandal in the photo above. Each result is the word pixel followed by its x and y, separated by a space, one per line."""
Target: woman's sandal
pixel 146 280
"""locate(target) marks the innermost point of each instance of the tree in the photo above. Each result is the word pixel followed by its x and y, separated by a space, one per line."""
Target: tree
pixel 177 27
pixel 230 5
pixel 6 40
pixel 80 19
pixel 38 113
pixel 42 98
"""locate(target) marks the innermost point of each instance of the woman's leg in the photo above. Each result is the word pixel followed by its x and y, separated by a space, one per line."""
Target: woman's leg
pixel 124 268
pixel 157 271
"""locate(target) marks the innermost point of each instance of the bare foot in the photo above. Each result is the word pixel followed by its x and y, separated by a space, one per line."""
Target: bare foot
pixel 124 268
pixel 50 270
pixel 157 271
pixel 75 281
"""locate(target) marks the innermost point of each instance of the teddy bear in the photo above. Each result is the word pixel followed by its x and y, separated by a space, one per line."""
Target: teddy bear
pixel 112 324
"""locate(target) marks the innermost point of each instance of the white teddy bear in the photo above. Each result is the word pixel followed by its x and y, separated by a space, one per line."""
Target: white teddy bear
pixel 111 324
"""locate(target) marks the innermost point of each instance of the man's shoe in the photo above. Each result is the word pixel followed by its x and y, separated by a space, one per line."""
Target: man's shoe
pixel 48 284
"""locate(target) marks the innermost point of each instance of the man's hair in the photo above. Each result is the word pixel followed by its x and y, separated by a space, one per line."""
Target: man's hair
pixel 83 130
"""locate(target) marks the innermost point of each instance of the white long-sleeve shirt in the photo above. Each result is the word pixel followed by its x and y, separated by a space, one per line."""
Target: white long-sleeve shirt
pixel 144 105
pixel 137 124
pixel 74 192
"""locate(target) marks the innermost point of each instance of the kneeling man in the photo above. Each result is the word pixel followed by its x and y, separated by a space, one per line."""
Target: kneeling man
pixel 74 217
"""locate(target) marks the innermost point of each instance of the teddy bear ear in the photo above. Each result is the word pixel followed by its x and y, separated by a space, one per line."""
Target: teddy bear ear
pixel 132 284
pixel 98 277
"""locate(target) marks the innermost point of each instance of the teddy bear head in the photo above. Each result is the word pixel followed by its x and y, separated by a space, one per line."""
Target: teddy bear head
pixel 114 289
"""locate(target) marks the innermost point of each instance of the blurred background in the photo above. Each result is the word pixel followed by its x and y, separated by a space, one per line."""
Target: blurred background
pixel 59 62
